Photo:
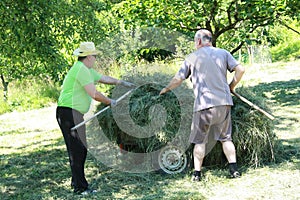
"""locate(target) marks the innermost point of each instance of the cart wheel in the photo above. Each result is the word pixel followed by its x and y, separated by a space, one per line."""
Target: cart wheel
pixel 172 160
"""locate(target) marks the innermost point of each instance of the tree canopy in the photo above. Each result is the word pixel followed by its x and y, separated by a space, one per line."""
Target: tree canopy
pixel 235 19
pixel 38 37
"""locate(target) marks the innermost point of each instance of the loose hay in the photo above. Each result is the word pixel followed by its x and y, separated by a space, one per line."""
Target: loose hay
pixel 148 121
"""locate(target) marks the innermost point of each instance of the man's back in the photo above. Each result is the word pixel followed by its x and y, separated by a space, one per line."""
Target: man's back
pixel 208 68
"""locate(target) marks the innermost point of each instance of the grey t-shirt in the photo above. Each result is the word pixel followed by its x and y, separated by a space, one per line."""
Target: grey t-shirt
pixel 207 68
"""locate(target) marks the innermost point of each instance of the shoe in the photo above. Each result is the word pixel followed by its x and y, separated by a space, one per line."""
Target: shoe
pixel 235 174
pixel 196 178
pixel 88 191
pixel 85 191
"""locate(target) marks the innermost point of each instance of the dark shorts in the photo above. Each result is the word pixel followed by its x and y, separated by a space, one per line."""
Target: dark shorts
pixel 215 120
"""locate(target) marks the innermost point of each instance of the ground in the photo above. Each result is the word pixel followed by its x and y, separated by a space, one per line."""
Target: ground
pixel 34 161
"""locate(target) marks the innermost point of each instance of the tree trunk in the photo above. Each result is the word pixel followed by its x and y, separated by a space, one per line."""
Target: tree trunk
pixel 240 55
pixel 250 54
pixel 5 88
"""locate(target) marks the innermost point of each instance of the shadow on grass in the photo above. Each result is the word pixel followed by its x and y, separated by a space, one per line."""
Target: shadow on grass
pixel 152 185
pixel 280 93
pixel 34 175
pixel 284 96
pixel 288 150
pixel 44 173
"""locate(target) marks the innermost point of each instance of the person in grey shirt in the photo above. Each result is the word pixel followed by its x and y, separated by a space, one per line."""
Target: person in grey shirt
pixel 207 69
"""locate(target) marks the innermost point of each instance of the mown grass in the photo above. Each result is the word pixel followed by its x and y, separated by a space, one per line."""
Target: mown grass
pixel 34 162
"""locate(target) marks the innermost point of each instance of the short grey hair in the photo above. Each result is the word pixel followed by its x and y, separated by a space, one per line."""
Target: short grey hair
pixel 204 35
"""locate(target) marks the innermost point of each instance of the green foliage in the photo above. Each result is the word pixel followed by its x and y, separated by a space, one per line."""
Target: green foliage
pixel 137 44
pixel 293 9
pixel 28 39
pixel 37 38
pixel 286 45
pixel 241 19
pixel 286 51
pixel 4 107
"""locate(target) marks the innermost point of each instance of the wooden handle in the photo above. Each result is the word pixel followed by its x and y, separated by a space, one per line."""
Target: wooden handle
pixel 253 105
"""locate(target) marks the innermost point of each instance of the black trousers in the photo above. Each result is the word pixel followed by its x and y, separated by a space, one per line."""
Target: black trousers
pixel 76 144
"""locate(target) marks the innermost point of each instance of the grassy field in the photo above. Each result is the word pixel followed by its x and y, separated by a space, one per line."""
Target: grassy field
pixel 34 162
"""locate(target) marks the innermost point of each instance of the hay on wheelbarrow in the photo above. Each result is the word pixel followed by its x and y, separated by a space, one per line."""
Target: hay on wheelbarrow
pixel 253 133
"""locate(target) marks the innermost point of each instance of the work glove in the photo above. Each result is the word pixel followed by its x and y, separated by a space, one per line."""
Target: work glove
pixel 127 84
pixel 113 103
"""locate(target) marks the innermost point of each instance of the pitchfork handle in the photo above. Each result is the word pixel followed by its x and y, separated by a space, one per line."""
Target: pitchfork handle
pixel 253 105
pixel 101 111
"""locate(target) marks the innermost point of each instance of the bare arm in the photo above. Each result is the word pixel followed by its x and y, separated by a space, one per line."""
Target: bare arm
pixel 98 96
pixel 238 73
pixel 174 83
pixel 109 80
pixel 113 81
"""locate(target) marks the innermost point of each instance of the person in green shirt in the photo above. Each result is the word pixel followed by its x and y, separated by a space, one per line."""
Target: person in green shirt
pixel 77 92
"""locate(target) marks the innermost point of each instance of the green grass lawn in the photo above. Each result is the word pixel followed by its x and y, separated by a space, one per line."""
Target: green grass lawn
pixel 34 162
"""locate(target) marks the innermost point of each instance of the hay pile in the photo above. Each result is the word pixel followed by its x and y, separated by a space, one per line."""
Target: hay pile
pixel 252 131
pixel 147 122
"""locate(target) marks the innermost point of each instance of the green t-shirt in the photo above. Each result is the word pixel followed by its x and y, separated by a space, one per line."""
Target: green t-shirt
pixel 73 94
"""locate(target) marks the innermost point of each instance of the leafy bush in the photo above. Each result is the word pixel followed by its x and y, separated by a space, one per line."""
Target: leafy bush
pixel 289 50
pixel 4 107
pixel 285 42
pixel 29 94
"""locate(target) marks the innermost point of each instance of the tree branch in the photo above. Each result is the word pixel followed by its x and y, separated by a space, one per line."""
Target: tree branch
pixel 288 27
pixel 189 28
pixel 213 11
pixel 237 48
